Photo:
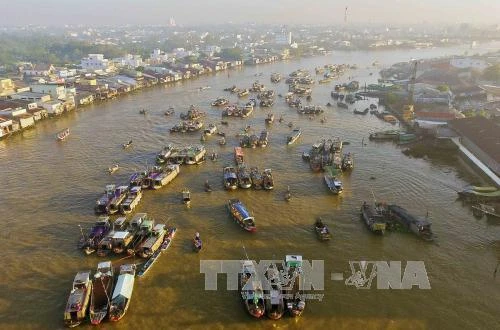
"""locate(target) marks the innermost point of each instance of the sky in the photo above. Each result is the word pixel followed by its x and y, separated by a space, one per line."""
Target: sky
pixel 197 12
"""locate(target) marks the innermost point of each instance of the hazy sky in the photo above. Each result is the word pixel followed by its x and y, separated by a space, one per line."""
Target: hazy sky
pixel 192 12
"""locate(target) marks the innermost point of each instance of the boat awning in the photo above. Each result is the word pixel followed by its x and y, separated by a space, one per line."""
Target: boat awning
pixel 242 210
pixel 120 234
pixel 124 286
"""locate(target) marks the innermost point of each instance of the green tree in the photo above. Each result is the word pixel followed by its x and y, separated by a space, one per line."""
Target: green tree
pixel 231 54
pixel 443 88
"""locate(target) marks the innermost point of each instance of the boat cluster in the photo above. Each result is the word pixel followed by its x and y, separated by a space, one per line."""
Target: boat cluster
pixel 277 294
pixel 103 295
pixel 235 110
pixel 380 217
pixel 245 178
pixel 253 141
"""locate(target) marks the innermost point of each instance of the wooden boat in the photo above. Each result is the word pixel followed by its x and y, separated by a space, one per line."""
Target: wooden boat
pixel 288 194
pixel 274 301
pixel 418 225
pixel 210 130
pixel 230 178
pixel 197 243
pixel 325 80
pixel 153 242
pixel 293 136
pixel 263 139
pixel 121 240
pixel 192 114
pixel 113 169
pixel 122 293
pixel 256 178
pixel 134 196
pixel 207 186
pixel 238 155
pixel 186 197
pixel 334 184
pixel 267 179
pixel 385 135
pixel 347 162
pixel 472 193
pixel 126 145
pixel 243 174
pixel 62 135
pixel 322 230
pixel 220 102
pixel 99 230
pixel 143 112
pixel 169 112
pixel 163 176
pixel 241 215
pixel 243 93
pixel 119 196
pixel 342 105
pixel 375 217
pixel 294 301
pixel 138 180
pixel 358 112
pixel 78 300
pixel 275 77
pixel 145 226
pixel 270 118
pixel 102 287
pixel 250 287
pixel 164 246
pixel 163 155
pixel 481 209
pixel 102 204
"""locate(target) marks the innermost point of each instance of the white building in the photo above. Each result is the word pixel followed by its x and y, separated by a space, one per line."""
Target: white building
pixel 157 56
pixel 181 52
pixel 57 92
pixel 468 63
pixel 95 62
pixel 129 60
pixel 25 119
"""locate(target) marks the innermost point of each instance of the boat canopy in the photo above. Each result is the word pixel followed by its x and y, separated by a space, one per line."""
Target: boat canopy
pixel 121 234
pixel 238 152
pixel 242 210
pixel 293 261
pixel 124 286
pixel 135 189
pixel 120 221
pixel 82 277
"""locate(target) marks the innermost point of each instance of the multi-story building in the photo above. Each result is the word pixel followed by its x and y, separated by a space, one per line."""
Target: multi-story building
pixel 95 62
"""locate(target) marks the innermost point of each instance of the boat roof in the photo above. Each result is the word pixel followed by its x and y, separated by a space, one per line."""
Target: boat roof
pixel 82 277
pixel 135 189
pixel 120 221
pixel 293 260
pixel 159 227
pixel 127 268
pixel 110 187
pixel 122 188
pixel 241 209
pixel 139 217
pixel 124 286
pixel 104 265
pixel 120 234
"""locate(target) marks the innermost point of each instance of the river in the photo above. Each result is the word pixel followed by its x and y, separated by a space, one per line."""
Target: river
pixel 50 187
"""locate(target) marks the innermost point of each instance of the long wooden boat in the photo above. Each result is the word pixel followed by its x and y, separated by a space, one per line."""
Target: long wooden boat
pixel 102 204
pixel 78 300
pixel 118 197
pixel 165 245
pixel 145 228
pixel 347 162
pixel 243 174
pixel 230 178
pixel 375 217
pixel 164 176
pixel 62 135
pixel 122 293
pixel 267 179
pixel 322 230
pixel 385 135
pixel 294 301
pixel 256 177
pixel 480 193
pixel 417 225
pixel 133 198
pixel 238 155
pixel 90 241
pixel 102 287
pixel 241 215
pixel 293 136
pixel 250 287
pixel 197 242
pixel 153 242
pixel 274 300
